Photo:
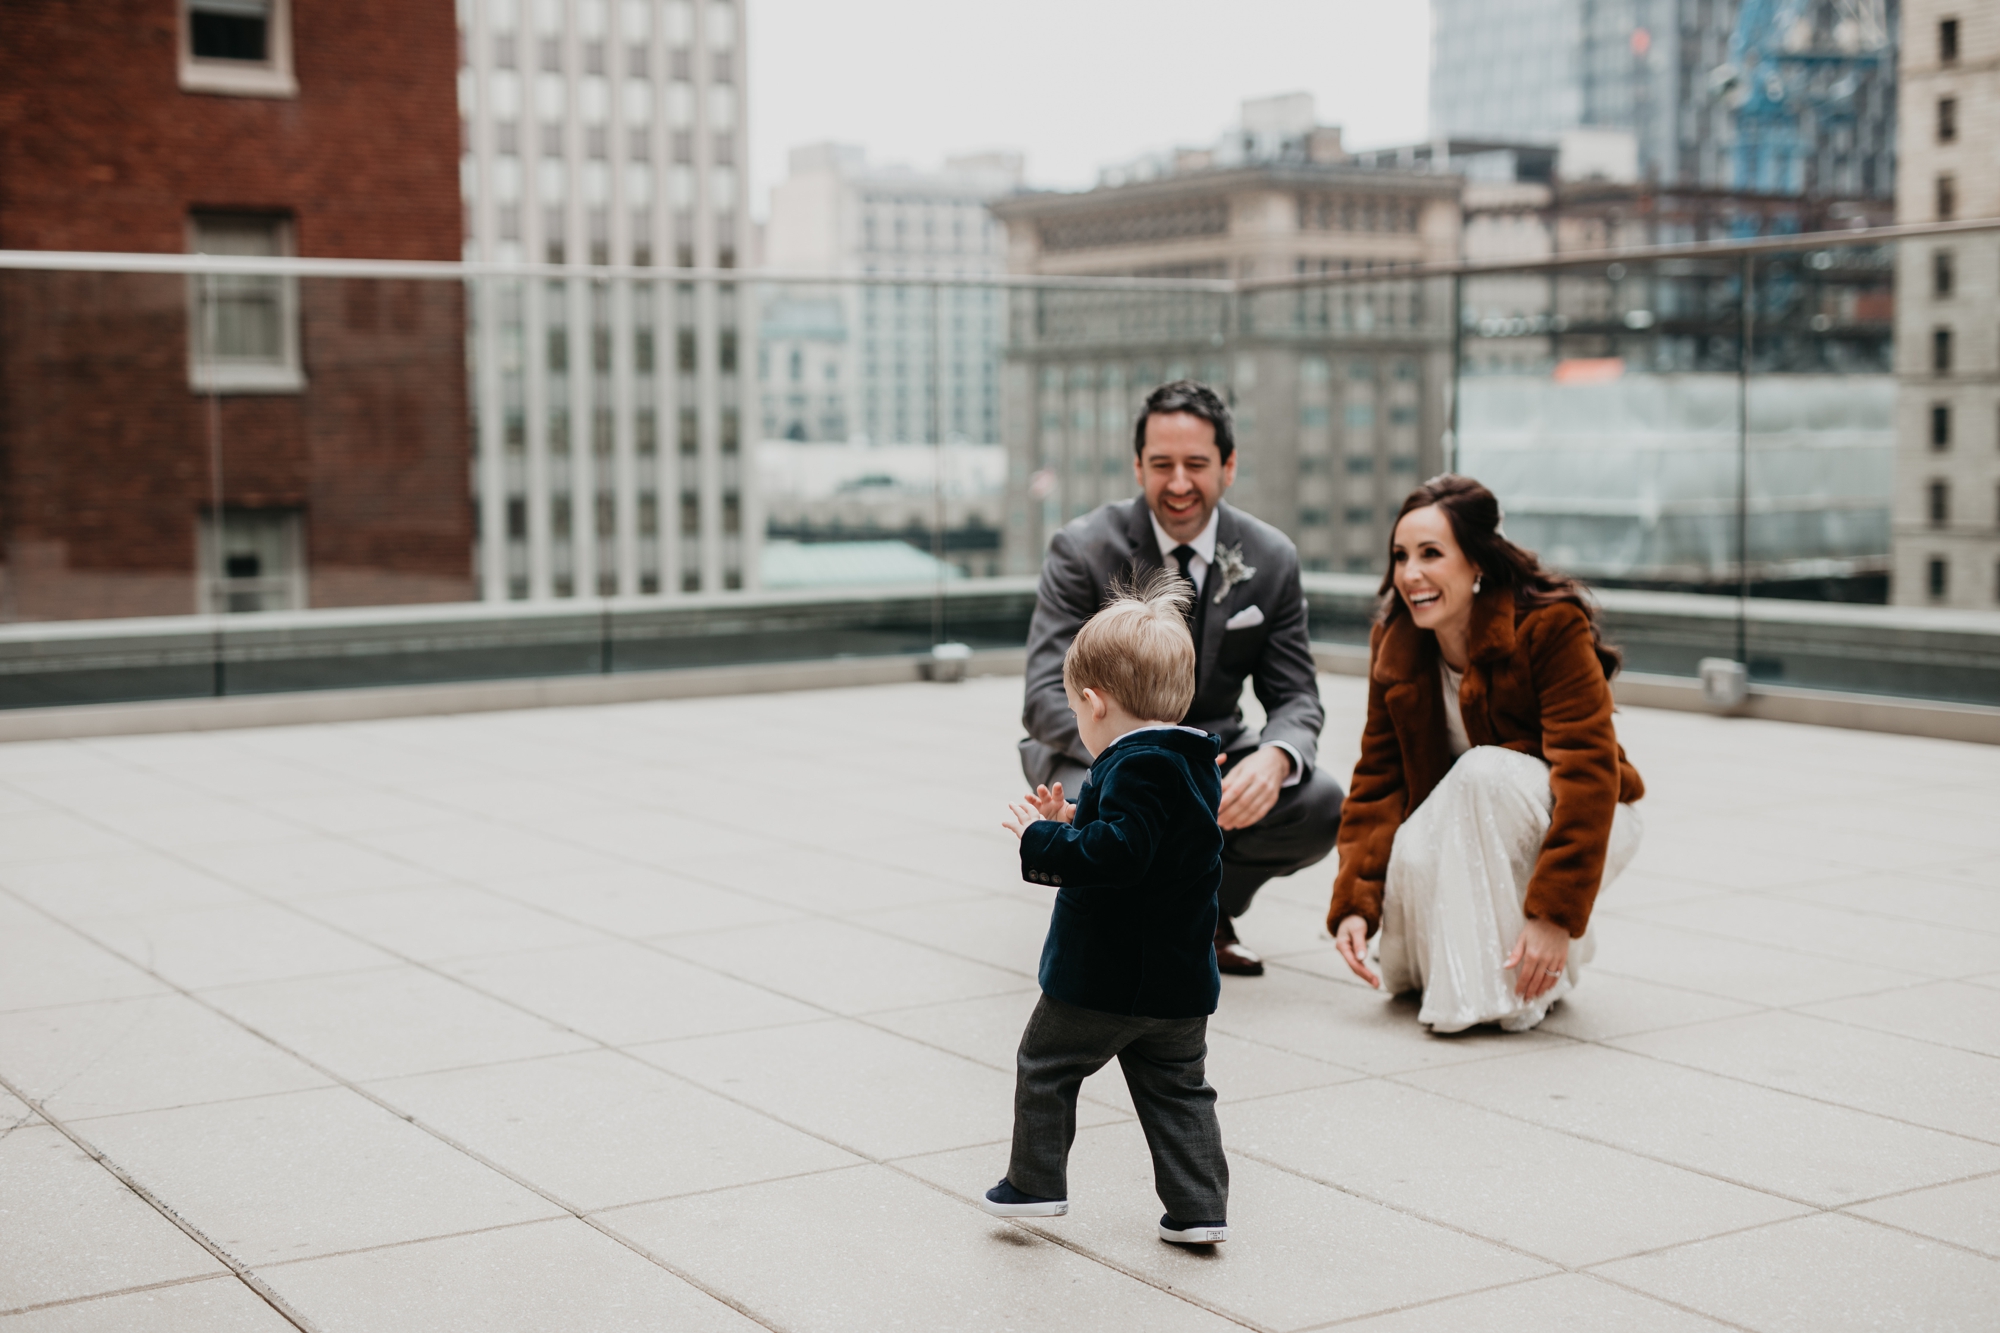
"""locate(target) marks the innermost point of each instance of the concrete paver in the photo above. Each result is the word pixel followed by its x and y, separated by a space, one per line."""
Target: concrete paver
pixel 43 963
pixel 623 993
pixel 874 1249
pixel 1494 1175
pixel 559 1274
pixel 1827 1274
pixel 842 968
pixel 442 921
pixel 603 1128
pixel 739 982
pixel 1795 1147
pixel 224 946
pixel 89 1234
pixel 1962 1014
pixel 212 1305
pixel 386 1021
pixel 1314 1254
pixel 119 885
pixel 869 1091
pixel 306 1173
pixel 1966 1212
pixel 142 1054
pixel 1568 1300
pixel 1911 1081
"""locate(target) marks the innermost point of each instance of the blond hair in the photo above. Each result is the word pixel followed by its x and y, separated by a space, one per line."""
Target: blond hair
pixel 1137 649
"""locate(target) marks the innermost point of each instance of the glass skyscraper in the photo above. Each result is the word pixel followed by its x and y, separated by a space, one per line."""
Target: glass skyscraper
pixel 1532 70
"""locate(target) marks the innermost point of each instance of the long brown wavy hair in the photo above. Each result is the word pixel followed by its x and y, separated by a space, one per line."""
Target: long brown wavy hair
pixel 1474 515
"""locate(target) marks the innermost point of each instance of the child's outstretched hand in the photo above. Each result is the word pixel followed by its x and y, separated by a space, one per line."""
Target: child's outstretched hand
pixel 1049 801
pixel 1019 815
pixel 1043 802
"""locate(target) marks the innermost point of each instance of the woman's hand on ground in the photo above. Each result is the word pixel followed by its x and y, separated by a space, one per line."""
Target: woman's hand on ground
pixel 1539 954
pixel 1351 938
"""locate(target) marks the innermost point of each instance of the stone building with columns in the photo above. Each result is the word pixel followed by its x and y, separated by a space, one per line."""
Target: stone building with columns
pixel 608 137
pixel 1946 515
pixel 1338 373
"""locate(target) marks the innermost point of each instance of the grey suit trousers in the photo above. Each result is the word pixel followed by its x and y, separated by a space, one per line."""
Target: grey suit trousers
pixel 1295 833
pixel 1165 1065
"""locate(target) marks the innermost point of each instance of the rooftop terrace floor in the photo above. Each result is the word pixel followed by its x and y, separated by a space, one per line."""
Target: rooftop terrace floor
pixel 700 1015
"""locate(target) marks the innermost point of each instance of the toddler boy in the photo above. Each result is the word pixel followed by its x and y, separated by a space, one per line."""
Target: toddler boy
pixel 1128 969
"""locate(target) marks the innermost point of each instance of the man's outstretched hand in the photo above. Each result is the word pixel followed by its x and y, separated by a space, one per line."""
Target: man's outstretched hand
pixel 1250 788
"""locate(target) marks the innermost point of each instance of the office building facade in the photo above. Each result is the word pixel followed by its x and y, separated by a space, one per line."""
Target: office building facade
pixel 608 138
pixel 1947 496
pixel 1339 390
pixel 901 362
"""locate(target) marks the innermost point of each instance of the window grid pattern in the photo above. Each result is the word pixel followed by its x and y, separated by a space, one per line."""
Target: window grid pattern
pixel 606 132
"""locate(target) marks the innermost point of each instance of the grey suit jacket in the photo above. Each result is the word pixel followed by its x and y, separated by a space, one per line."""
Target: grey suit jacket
pixel 1116 541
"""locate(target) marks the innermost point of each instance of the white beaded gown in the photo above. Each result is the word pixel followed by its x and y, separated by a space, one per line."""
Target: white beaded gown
pixel 1458 874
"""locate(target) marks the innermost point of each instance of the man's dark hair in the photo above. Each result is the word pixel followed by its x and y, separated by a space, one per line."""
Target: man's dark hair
pixel 1197 400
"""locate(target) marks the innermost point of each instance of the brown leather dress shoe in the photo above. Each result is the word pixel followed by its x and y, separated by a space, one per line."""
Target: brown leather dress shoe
pixel 1231 956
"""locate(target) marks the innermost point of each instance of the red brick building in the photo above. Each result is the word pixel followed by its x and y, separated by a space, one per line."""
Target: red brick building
pixel 333 410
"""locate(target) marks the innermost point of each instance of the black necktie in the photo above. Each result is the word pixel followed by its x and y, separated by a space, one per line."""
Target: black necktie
pixel 1184 557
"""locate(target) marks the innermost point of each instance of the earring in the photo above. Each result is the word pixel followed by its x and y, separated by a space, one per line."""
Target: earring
pixel 1476 578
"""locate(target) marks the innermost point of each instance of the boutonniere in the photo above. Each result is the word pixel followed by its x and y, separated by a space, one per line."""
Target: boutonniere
pixel 1229 564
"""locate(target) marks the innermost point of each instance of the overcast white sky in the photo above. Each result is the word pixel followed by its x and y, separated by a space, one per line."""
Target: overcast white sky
pixel 1074 84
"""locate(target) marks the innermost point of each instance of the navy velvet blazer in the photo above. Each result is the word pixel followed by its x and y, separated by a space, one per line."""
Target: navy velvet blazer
pixel 1133 931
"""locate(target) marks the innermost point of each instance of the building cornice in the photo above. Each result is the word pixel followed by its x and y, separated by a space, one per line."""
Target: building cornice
pixel 1234 180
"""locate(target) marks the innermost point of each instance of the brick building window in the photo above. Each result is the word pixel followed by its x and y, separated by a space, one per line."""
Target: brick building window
pixel 239 48
pixel 1947 197
pixel 1947 40
pixel 1939 577
pixel 243 334
pixel 1944 274
pixel 1938 505
pixel 1940 426
pixel 1947 119
pixel 1941 351
pixel 252 560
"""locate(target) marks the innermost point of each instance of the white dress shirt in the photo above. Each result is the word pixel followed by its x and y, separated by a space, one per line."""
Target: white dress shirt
pixel 1203 543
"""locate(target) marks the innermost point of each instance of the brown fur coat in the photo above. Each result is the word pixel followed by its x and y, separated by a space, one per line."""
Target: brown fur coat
pixel 1533 684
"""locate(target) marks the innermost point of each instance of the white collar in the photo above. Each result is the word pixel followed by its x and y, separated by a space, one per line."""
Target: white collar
pixel 1203 542
pixel 1160 726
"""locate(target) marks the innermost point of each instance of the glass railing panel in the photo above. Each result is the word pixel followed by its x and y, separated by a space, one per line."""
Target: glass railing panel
pixel 602 459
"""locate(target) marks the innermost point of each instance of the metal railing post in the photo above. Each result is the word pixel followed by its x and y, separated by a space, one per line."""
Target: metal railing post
pixel 1745 337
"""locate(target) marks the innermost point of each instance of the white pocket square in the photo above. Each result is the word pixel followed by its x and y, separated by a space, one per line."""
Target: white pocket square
pixel 1248 618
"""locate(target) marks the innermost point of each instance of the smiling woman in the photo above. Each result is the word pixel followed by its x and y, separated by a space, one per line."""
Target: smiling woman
pixel 1492 801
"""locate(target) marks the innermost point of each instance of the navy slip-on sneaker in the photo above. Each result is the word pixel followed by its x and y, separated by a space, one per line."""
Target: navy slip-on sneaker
pixel 1003 1200
pixel 1192 1233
